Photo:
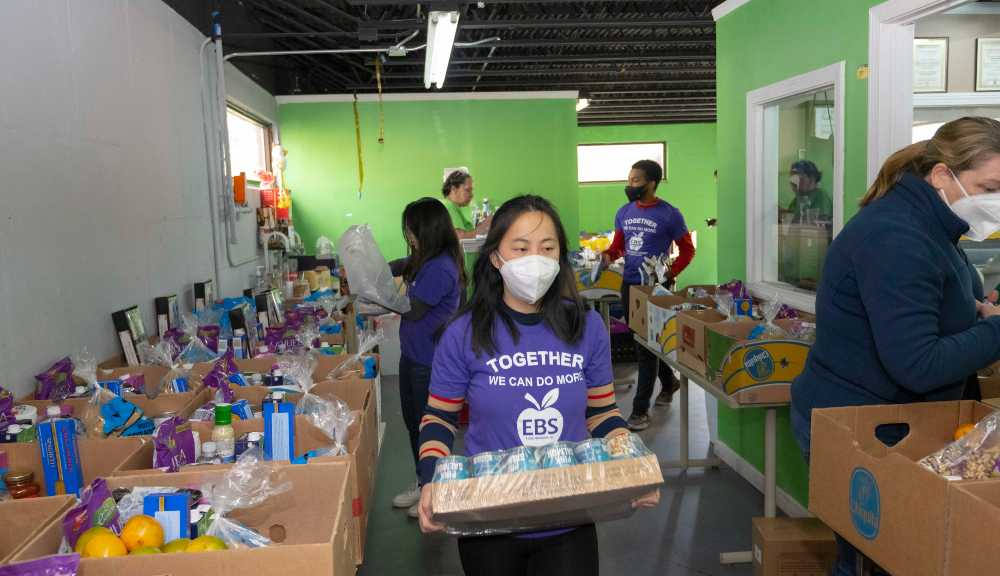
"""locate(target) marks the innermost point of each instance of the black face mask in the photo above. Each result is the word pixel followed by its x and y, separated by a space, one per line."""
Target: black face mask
pixel 634 193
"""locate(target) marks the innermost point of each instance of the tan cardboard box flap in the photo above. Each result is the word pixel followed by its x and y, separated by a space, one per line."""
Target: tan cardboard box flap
pixel 325 364
pixel 792 547
pixel 638 296
pixel 309 525
pixel 23 519
pixel 98 457
pixel 973 526
pixel 692 350
pixel 529 498
pixel 883 485
pixel 182 405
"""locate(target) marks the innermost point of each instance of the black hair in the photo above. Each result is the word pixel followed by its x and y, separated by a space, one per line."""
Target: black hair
pixel 454 180
pixel 561 307
pixel 807 168
pixel 651 169
pixel 428 220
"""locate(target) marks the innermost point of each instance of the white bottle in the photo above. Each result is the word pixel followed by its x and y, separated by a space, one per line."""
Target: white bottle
pixel 209 454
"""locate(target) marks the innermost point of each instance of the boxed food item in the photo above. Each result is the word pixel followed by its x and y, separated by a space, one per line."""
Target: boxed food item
pixel 557 485
pixel 884 485
pixel 23 519
pixel 298 524
pixel 692 345
pixel 792 547
pixel 754 368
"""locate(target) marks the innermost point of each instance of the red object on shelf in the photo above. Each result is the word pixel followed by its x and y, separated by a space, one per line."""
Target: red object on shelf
pixel 268 198
pixel 463 416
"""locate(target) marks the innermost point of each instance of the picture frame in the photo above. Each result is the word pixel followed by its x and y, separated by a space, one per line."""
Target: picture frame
pixel 930 65
pixel 987 64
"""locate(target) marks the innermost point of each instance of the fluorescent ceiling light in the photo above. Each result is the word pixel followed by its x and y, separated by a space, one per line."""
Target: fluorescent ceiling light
pixel 441 29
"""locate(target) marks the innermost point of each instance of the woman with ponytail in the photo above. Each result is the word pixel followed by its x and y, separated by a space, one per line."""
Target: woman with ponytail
pixel 900 313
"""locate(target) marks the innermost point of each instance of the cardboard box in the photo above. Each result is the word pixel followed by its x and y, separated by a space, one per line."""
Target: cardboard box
pixel 263 364
pixel 362 443
pixel 710 288
pixel 661 320
pixel 182 405
pixel 692 347
pixel 637 298
pixel 98 458
pixel 974 522
pixel 757 371
pixel 309 524
pixel 792 547
pixel 880 498
pixel 24 519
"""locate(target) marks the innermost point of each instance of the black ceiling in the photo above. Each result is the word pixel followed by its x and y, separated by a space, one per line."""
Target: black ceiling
pixel 640 62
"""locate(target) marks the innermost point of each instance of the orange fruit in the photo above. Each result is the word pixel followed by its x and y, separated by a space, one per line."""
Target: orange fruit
pixel 104 546
pixel 85 538
pixel 963 430
pixel 206 544
pixel 178 545
pixel 141 532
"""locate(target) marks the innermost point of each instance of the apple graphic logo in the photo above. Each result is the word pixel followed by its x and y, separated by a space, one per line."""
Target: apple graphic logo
pixel 542 424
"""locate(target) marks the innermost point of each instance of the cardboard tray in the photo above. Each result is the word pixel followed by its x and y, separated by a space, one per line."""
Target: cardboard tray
pixel 880 498
pixel 98 457
pixel 544 498
pixel 310 525
pixel 24 519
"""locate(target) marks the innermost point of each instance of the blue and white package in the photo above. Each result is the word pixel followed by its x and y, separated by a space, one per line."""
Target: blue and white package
pixel 243 410
pixel 60 456
pixel 113 386
pixel 279 428
pixel 172 511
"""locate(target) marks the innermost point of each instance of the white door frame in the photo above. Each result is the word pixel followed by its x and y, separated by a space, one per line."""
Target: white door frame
pixel 890 81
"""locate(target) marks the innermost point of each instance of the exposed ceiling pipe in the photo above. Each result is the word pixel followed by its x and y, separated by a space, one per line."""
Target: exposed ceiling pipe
pixel 569 59
pixel 483 69
pixel 553 72
pixel 534 24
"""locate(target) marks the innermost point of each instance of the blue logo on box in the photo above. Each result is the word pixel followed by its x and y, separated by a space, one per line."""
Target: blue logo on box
pixel 758 363
pixel 866 507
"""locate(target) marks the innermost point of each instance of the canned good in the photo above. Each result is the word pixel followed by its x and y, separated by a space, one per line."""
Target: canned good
pixel 625 446
pixel 520 459
pixel 590 451
pixel 557 455
pixel 451 468
pixel 487 463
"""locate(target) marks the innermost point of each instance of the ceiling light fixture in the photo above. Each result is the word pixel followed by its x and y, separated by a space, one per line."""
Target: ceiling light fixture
pixel 441 29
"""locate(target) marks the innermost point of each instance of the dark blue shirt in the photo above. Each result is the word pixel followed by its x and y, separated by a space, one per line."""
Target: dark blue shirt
pixel 895 310
pixel 437 285
pixel 648 231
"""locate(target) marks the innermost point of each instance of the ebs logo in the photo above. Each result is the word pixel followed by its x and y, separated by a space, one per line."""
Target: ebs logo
pixel 758 363
pixel 542 424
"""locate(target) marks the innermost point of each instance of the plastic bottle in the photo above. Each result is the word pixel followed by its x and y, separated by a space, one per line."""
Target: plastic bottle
pixel 209 454
pixel 223 434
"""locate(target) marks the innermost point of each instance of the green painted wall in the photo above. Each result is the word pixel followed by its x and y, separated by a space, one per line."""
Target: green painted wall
pixel 758 44
pixel 512 147
pixel 690 185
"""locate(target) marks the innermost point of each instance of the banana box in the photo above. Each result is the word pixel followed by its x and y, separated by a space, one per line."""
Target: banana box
pixel 661 320
pixel 607 283
pixel 757 371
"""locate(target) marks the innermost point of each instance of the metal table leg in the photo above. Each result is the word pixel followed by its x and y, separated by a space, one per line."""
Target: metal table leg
pixel 770 482
pixel 685 461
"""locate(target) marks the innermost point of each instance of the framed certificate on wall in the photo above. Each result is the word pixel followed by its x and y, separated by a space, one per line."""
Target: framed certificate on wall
pixel 930 64
pixel 987 64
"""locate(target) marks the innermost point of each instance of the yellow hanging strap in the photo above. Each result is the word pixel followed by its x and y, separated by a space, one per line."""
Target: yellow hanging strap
pixel 381 114
pixel 357 137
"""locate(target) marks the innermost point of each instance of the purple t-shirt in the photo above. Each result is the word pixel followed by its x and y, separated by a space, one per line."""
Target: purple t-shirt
pixel 647 232
pixel 530 394
pixel 437 286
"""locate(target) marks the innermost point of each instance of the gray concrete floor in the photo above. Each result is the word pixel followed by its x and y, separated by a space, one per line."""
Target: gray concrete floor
pixel 701 514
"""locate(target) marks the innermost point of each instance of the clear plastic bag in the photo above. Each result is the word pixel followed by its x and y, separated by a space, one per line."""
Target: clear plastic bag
pixel 330 414
pixel 972 457
pixel 724 304
pixel 368 272
pixel 324 248
pixel 358 364
pixel 771 309
pixel 554 486
pixel 92 420
pixel 195 350
pixel 249 483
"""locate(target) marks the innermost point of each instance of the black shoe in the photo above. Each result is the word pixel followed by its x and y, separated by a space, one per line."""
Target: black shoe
pixel 638 422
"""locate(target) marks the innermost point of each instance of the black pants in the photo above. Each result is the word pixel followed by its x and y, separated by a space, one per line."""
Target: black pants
pixel 648 367
pixel 570 554
pixel 414 383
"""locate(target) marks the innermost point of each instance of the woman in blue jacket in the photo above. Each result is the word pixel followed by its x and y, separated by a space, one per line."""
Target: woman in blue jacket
pixel 900 312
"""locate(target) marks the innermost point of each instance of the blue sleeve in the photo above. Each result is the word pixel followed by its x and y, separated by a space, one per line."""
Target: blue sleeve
pixel 901 285
pixel 598 371
pixel 434 281
pixel 680 227
pixel 618 218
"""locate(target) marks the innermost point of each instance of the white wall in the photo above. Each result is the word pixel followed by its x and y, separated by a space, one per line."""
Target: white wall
pixel 961 32
pixel 103 179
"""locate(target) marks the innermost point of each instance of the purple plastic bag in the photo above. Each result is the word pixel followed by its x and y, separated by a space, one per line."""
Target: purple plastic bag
pixel 97 507
pixel 63 565
pixel 787 313
pixel 6 410
pixel 173 445
pixel 209 336
pixel 736 288
pixel 56 383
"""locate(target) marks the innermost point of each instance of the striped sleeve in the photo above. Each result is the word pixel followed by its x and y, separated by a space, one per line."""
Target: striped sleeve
pixel 437 433
pixel 603 417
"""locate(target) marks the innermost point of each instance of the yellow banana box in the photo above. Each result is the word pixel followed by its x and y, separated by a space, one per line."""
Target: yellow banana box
pixel 757 371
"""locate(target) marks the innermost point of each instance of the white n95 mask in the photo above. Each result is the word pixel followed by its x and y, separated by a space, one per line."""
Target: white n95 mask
pixel 528 278
pixel 980 212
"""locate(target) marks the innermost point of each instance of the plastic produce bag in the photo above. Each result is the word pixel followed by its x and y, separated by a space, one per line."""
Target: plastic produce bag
pixel 367 271
pixel 330 414
pixel 361 364
pixel 324 248
pixel 196 348
pixel 249 483
pixel 558 485
pixel 974 456
pixel 771 309
pixel 56 383
pixel 724 304
pixel 60 565
pixel 96 508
